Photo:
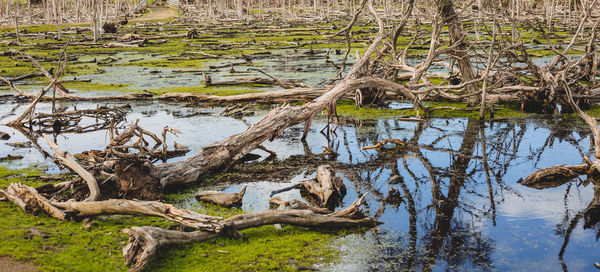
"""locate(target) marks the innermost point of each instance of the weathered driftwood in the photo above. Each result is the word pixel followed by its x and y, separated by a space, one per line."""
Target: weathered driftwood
pixel 145 241
pixel 553 176
pixel 222 199
pixel 72 97
pixel 326 188
pixel 147 208
pixel 10 157
pixel 121 45
pixel 119 145
pixel 226 152
pixel 223 153
pixel 65 158
pixel 30 201
pixel 297 205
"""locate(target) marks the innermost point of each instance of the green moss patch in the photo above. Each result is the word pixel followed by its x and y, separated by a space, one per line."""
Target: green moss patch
pixel 267 249
pixel 57 245
pixel 93 86
pixel 220 91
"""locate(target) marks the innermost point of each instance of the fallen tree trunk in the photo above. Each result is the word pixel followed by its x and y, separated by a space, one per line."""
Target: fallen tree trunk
pixel 148 208
pixel 326 190
pixel 30 201
pixel 226 152
pixel 145 241
pixel 71 97
pixel 553 176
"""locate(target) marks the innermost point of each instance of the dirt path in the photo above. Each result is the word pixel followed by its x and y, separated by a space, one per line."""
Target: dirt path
pixel 157 13
pixel 9 265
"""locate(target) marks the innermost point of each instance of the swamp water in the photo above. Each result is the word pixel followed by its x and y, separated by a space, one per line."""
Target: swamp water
pixel 458 204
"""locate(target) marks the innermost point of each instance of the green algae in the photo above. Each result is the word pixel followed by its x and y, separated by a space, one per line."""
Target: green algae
pixel 212 90
pixel 57 245
pixel 94 86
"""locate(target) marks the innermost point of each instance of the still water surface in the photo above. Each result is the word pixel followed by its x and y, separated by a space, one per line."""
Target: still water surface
pixel 459 206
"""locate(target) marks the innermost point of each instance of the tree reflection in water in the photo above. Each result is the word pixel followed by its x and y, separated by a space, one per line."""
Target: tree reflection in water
pixel 449 198
pixel 454 177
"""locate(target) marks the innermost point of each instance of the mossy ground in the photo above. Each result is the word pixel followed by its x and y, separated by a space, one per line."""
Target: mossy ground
pixel 93 86
pixel 68 246
pixel 232 41
pixel 220 91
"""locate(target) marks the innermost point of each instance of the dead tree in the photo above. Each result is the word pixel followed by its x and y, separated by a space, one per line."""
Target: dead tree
pixel 460 51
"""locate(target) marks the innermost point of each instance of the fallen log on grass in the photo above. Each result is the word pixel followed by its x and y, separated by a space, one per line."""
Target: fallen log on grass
pixel 147 208
pixel 30 201
pixel 145 241
pixel 239 81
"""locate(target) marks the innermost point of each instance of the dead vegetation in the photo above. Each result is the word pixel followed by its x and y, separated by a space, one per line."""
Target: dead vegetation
pixel 127 168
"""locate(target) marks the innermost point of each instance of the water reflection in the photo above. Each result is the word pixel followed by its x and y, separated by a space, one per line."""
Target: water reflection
pixel 462 208
pixel 449 199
